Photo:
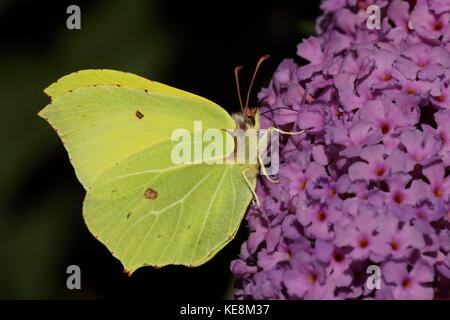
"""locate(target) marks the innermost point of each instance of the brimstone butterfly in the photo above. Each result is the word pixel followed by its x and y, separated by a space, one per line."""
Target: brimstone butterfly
pixel 117 128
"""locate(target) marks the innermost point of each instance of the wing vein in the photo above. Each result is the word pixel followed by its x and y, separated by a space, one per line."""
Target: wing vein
pixel 159 212
pixel 219 185
pixel 173 234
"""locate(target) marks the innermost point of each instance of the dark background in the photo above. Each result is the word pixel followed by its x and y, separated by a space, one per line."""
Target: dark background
pixel 187 44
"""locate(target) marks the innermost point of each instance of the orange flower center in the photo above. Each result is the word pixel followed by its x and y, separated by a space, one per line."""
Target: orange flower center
pixel 406 283
pixel 421 215
pixel 363 243
pixel 380 172
pixel 322 216
pixel 398 198
pixel 302 185
pixel 312 278
pixel 438 26
pixel 438 192
pixel 394 246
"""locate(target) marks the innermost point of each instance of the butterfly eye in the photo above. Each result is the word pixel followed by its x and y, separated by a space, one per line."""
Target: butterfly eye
pixel 251 120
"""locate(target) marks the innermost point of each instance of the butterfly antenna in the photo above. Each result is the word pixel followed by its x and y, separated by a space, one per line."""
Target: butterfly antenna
pixel 278 108
pixel 261 60
pixel 236 77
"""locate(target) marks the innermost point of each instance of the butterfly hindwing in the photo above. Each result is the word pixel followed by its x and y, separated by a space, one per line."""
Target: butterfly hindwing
pixel 150 212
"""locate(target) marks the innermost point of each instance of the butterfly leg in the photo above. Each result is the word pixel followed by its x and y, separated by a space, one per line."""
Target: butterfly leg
pixel 263 168
pixel 284 132
pixel 253 172
pixel 261 149
pixel 264 140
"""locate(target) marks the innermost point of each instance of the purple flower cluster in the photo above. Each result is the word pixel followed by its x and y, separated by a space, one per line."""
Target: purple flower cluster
pixel 368 184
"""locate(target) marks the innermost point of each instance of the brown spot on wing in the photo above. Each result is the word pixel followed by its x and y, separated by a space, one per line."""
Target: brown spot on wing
pixel 150 194
pixel 139 114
